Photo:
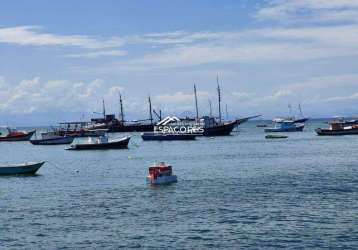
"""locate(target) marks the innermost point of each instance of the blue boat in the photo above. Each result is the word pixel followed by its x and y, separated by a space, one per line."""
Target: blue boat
pixel 25 168
pixel 54 140
pixel 151 136
pixel 286 126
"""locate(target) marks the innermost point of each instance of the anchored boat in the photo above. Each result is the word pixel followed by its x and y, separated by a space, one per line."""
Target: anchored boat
pixel 16 135
pixel 101 143
pixel 276 136
pixel 50 139
pixel 25 168
pixel 338 128
pixel 286 126
pixel 161 174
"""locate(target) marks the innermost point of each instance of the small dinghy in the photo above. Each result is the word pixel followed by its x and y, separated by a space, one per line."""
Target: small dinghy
pixel 25 168
pixel 101 143
pixel 276 136
pixel 15 135
pixel 161 174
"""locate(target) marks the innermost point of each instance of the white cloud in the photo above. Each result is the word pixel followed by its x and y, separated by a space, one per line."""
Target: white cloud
pixel 32 35
pixel 97 54
pixel 310 11
pixel 266 45
pixel 35 95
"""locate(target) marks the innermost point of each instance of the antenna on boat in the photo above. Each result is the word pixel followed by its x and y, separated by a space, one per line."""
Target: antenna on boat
pixel 211 110
pixel 219 97
pixel 104 109
pixel 150 110
pixel 196 103
pixel 121 106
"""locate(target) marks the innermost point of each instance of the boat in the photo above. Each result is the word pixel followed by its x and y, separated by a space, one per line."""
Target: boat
pixel 211 127
pixel 25 168
pixel 52 140
pixel 338 128
pixel 113 124
pixel 286 126
pixel 205 126
pixel 101 143
pixel 161 174
pixel 301 118
pixel 78 129
pixel 16 135
pixel 276 136
pixel 152 136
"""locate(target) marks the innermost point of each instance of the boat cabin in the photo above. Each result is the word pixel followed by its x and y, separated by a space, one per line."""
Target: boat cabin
pixel 336 125
pixel 160 170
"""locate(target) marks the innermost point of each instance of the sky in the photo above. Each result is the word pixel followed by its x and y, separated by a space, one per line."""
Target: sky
pixel 60 58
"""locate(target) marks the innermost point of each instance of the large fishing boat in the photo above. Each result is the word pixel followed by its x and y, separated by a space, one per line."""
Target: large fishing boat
pixel 77 129
pixel 211 126
pixel 110 122
pixel 286 126
pixel 300 118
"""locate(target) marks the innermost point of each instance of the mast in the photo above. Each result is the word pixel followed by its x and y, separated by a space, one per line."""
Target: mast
pixel 219 97
pixel 150 110
pixel 196 103
pixel 211 110
pixel 300 109
pixel 290 110
pixel 227 114
pixel 121 106
pixel 103 109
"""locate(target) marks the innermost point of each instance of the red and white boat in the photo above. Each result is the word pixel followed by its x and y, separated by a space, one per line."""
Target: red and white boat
pixel 16 135
pixel 160 173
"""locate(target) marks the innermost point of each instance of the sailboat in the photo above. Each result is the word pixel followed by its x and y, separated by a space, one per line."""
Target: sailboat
pixel 212 126
pixel 113 124
pixel 302 119
pixel 291 117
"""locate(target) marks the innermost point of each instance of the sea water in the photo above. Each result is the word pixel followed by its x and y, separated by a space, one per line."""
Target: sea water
pixel 240 191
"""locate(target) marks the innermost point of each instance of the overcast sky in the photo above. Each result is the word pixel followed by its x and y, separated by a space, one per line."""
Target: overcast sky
pixel 59 59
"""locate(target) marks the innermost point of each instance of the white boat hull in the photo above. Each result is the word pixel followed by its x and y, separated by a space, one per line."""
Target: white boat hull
pixel 162 180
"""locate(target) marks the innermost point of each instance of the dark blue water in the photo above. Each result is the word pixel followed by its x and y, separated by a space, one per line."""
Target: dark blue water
pixel 241 191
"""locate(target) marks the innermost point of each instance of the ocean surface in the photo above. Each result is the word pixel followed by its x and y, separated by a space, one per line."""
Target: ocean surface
pixel 235 192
